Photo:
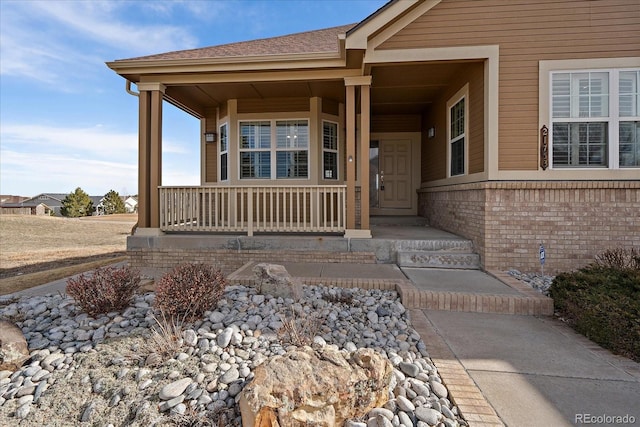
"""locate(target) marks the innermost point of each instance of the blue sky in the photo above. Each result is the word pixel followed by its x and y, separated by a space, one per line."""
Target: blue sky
pixel 65 118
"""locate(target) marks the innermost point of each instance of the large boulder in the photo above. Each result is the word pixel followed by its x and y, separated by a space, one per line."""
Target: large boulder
pixel 275 280
pixel 13 347
pixel 319 387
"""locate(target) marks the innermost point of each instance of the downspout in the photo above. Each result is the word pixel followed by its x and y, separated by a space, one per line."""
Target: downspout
pixel 129 91
pixel 136 94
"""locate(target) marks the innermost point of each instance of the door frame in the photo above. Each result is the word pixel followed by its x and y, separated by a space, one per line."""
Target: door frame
pixel 415 138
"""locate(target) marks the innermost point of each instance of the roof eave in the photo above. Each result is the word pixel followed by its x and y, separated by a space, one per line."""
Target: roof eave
pixel 230 64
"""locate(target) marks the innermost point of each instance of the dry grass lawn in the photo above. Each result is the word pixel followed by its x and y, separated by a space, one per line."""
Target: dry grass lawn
pixel 38 249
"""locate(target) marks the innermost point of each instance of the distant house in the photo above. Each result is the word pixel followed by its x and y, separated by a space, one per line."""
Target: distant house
pixel 130 204
pixel 11 205
pixel 45 203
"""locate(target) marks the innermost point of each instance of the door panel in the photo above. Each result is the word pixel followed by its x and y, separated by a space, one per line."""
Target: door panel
pixel 395 174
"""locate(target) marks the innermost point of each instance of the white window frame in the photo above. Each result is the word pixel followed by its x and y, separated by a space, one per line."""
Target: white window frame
pixel 224 139
pixel 274 149
pixel 613 120
pixel 463 93
pixel 336 151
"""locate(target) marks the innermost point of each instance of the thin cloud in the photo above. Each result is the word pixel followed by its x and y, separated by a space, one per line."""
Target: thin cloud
pixel 93 140
pixel 51 172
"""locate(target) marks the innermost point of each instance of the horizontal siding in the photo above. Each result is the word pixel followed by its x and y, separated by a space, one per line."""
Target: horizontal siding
pixel 211 163
pixel 329 106
pixel 272 105
pixel 476 118
pixel 396 123
pixel 527 33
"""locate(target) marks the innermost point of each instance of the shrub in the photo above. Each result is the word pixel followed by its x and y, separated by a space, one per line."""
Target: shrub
pixel 602 302
pixel 620 258
pixel 107 289
pixel 189 290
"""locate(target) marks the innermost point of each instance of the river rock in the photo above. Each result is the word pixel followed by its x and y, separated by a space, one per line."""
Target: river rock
pixel 13 346
pixel 174 389
pixel 275 280
pixel 338 386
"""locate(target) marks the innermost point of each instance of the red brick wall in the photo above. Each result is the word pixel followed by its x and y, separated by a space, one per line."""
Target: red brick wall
pixel 507 221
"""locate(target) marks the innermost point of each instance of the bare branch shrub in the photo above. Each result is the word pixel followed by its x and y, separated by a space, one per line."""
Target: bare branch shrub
pixel 619 258
pixel 189 290
pixel 107 289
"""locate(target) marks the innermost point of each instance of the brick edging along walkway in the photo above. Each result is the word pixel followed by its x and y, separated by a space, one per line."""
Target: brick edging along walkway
pixel 463 392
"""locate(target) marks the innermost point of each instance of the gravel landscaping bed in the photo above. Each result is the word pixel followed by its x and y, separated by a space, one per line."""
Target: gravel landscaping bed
pixel 537 281
pixel 111 371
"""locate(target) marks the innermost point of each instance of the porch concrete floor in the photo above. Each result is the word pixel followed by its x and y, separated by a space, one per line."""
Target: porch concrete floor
pixel 407 228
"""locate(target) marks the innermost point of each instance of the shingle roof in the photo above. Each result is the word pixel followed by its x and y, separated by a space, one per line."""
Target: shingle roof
pixel 318 41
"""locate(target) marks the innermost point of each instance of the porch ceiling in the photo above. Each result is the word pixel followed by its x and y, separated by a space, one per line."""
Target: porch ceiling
pixel 396 89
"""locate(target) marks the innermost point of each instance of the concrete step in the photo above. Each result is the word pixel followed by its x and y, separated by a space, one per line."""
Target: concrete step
pixel 439 259
pixel 448 245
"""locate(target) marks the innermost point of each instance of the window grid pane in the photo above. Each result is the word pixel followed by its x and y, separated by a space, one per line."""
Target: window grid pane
pixel 457 119
pixel 628 86
pixel 255 135
pixel 629 150
pixel 580 144
pixel 580 95
pixel 457 157
pixel 292 164
pixel 330 136
pixel 255 164
pixel 292 134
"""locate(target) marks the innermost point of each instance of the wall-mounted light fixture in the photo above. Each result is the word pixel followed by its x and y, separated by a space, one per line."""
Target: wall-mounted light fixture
pixel 210 137
pixel 431 132
pixel 350 159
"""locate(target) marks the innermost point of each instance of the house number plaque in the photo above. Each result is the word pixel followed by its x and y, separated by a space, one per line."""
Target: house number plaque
pixel 544 147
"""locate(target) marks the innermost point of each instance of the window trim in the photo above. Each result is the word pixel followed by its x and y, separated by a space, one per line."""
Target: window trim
pixel 224 135
pixel 461 94
pixel 273 149
pixel 545 67
pixel 329 150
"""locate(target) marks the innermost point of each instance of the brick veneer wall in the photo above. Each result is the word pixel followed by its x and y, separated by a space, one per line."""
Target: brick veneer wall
pixel 154 262
pixel 575 220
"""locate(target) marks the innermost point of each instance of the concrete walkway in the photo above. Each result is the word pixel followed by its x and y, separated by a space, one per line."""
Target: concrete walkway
pixel 501 369
pixel 538 372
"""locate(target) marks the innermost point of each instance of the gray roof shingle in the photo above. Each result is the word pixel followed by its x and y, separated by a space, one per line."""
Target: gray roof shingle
pixel 318 41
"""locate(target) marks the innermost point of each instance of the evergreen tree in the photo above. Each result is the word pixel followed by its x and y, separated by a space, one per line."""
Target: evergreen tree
pixel 77 204
pixel 112 203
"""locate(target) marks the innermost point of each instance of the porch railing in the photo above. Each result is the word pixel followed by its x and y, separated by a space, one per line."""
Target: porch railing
pixel 249 209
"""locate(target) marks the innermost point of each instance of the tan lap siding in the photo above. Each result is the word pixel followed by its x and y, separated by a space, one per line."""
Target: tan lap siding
pixel 434 150
pixel 272 105
pixel 526 32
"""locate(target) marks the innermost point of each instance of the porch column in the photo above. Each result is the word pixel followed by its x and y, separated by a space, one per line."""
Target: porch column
pixel 351 157
pixel 149 154
pixel 364 82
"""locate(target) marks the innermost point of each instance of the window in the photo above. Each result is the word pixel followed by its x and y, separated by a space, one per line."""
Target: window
pixel 224 153
pixel 255 150
pixel 594 116
pixel 629 111
pixel 292 149
pixel 457 138
pixel 288 157
pixel 329 150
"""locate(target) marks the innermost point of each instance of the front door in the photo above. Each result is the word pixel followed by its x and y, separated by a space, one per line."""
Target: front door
pixel 390 181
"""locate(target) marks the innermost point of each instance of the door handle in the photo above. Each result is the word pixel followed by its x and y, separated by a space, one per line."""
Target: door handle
pixel 381 180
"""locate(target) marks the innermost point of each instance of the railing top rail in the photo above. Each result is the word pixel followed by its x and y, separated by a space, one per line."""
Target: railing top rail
pixel 250 186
